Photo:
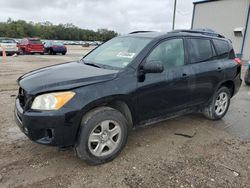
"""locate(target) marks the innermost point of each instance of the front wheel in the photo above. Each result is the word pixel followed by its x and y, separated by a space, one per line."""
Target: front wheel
pixel 219 105
pixel 103 134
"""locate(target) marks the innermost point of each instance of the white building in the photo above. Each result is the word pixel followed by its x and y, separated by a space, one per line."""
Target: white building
pixel 230 18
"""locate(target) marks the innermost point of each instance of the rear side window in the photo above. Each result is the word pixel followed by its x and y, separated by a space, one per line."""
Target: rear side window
pixel 223 49
pixel 200 50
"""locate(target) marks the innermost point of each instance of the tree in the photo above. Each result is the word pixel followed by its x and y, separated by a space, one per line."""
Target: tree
pixel 46 30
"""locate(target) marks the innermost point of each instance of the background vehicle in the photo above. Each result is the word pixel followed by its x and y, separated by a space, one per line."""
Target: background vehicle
pixel 127 82
pixel 247 74
pixel 52 48
pixel 31 46
pixel 10 46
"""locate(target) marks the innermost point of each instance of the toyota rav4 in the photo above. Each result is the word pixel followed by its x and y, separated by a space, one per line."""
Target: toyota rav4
pixel 130 81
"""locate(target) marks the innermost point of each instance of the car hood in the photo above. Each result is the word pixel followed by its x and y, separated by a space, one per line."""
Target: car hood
pixel 63 77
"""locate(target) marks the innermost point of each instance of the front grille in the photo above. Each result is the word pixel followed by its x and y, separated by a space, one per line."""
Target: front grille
pixel 22 97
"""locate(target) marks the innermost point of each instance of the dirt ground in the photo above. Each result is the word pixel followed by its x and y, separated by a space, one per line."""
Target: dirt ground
pixel 217 156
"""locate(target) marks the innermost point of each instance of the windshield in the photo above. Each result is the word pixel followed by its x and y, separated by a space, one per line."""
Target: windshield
pixel 58 44
pixel 118 52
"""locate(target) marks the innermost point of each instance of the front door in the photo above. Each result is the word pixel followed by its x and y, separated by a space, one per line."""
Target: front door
pixel 169 91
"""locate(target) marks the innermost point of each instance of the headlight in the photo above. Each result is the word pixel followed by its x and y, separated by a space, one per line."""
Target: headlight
pixel 52 101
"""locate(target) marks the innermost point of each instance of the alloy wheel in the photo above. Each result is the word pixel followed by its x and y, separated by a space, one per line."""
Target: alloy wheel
pixel 104 138
pixel 221 103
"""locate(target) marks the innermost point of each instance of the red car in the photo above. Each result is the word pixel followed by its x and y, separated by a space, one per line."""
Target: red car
pixel 31 46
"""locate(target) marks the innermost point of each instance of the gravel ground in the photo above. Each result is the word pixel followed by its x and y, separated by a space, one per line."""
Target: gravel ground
pixel 217 156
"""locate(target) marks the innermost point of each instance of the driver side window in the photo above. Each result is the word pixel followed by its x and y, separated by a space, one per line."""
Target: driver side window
pixel 170 53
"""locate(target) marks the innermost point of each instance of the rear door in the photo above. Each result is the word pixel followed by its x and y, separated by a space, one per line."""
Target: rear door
pixel 169 91
pixel 208 70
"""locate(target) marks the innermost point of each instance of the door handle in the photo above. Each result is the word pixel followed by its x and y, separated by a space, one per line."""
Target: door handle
pixel 184 76
pixel 219 69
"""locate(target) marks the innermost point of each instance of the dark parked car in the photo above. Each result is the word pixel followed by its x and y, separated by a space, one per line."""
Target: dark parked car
pixel 127 82
pixel 53 48
pixel 31 46
pixel 247 74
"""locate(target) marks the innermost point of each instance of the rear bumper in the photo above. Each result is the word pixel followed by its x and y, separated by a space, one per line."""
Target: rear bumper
pixel 56 128
pixel 11 52
pixel 35 51
pixel 237 83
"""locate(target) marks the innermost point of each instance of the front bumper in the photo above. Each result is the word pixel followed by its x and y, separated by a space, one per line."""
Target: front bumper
pixel 56 128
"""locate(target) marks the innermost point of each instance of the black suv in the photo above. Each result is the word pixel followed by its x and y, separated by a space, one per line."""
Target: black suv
pixel 129 81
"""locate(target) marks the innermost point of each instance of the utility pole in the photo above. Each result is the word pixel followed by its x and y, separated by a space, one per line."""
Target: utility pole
pixel 175 1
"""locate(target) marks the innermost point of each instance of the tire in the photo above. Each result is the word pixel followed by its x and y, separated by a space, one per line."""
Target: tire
pixel 98 150
pixel 219 104
pixel 50 52
pixel 63 53
pixel 23 52
pixel 41 53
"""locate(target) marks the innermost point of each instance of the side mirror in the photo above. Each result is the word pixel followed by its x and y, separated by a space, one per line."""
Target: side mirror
pixel 153 67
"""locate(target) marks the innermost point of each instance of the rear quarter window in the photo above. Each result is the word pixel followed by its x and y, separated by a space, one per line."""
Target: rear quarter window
pixel 200 50
pixel 223 49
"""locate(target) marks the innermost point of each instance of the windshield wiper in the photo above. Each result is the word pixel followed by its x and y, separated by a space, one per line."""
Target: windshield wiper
pixel 100 65
pixel 91 64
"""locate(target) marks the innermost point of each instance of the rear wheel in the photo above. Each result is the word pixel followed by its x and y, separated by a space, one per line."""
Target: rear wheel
pixel 103 134
pixel 50 52
pixel 219 105
pixel 63 53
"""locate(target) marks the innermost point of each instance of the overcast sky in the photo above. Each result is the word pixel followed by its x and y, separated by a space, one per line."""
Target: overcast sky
pixel 122 16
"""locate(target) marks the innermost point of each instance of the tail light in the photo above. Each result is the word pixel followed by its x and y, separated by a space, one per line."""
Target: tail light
pixel 237 60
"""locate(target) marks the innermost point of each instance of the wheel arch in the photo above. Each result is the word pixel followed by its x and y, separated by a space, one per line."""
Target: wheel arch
pixel 230 85
pixel 118 102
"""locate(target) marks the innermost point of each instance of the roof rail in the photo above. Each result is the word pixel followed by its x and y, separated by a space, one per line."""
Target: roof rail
pixel 134 32
pixel 209 32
